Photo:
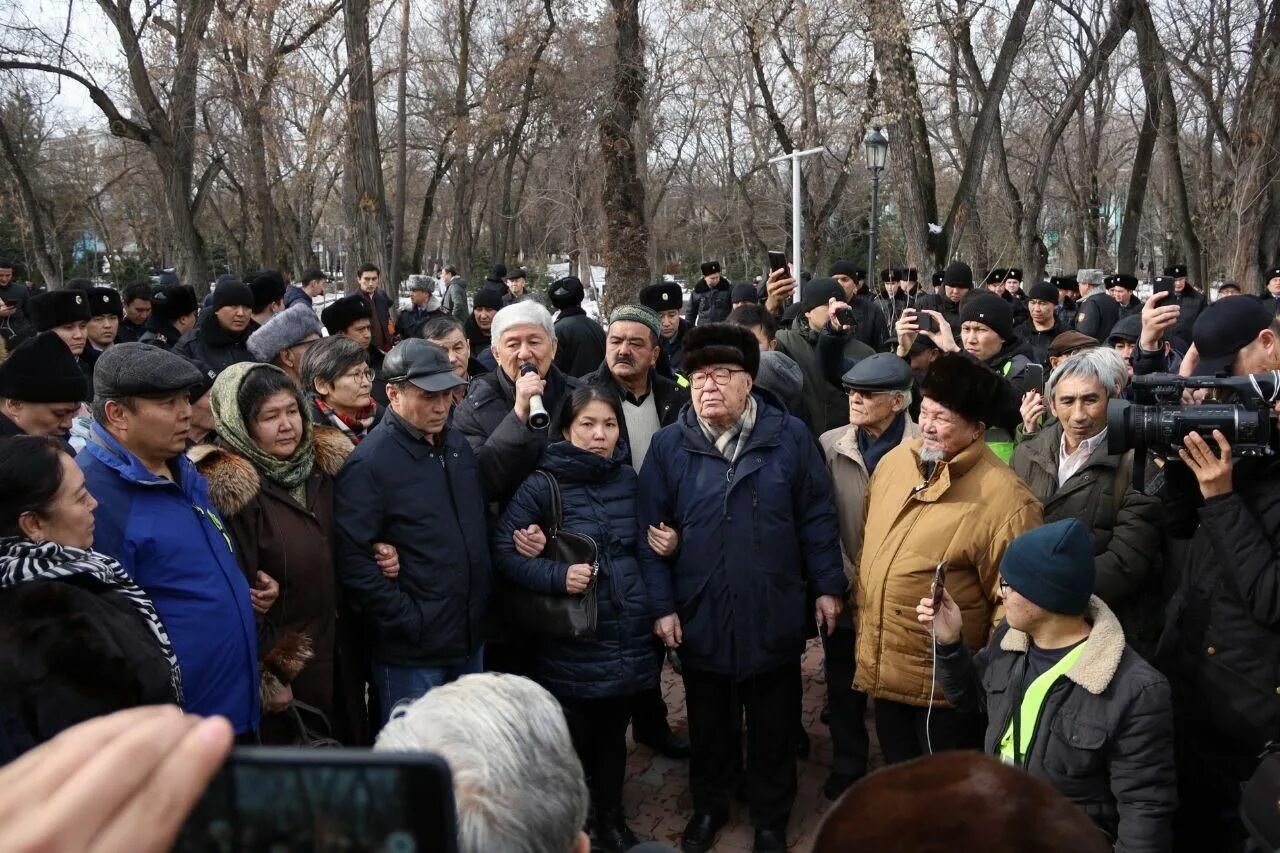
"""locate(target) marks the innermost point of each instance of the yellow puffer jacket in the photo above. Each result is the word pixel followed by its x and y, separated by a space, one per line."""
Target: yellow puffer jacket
pixel 967 514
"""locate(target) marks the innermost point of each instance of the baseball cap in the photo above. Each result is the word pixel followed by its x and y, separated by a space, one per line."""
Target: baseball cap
pixel 421 363
pixel 1223 329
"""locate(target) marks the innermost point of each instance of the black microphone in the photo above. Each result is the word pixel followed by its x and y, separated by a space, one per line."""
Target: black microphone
pixel 538 417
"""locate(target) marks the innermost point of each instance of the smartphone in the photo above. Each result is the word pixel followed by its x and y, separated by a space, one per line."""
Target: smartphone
pixel 290 799
pixel 1033 379
pixel 777 261
pixel 845 317
pixel 939 584
pixel 1162 284
pixel 926 322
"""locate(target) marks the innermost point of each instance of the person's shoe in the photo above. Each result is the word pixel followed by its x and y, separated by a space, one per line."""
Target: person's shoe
pixel 610 834
pixel 802 745
pixel 770 841
pixel 664 742
pixel 700 833
pixel 837 784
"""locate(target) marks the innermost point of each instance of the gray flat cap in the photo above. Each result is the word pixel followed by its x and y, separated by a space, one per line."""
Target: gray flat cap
pixel 288 328
pixel 883 371
pixel 141 370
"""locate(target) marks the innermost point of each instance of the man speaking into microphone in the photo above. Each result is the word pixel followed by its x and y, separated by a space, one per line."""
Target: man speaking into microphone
pixel 500 415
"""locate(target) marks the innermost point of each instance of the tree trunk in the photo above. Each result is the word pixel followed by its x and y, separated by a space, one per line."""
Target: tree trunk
pixel 366 194
pixel 402 151
pixel 626 255
pixel 1135 200
pixel 35 216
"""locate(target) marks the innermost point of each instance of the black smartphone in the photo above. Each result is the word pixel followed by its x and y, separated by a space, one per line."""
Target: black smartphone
pixel 1033 379
pixel 1162 284
pixel 290 799
pixel 777 261
pixel 844 316
pixel 939 584
pixel 926 322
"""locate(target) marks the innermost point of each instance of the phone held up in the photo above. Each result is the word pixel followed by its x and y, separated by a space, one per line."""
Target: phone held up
pixel 288 799
pixel 927 322
pixel 939 584
pixel 777 260
pixel 1163 284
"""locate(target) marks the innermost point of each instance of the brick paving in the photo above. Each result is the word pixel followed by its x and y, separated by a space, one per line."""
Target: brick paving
pixel 656 792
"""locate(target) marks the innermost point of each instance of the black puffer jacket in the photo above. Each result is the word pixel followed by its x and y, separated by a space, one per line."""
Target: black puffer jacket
pixel 1190 303
pixel 598 500
pixel 506 448
pixel 579 342
pixel 1221 644
pixel 1124 531
pixel 213 345
pixel 669 397
pixel 1105 735
pixel 710 304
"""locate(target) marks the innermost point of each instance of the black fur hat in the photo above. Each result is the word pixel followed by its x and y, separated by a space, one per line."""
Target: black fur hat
pixel 721 343
pixel 964 385
pixel 343 313
pixel 58 308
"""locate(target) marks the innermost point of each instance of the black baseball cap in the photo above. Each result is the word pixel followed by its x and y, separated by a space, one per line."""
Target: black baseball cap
pixel 1223 329
pixel 421 363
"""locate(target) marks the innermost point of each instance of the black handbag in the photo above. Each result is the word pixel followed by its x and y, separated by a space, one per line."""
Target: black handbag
pixel 561 615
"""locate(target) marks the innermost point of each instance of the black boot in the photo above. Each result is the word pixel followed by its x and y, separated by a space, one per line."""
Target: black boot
pixel 700 833
pixel 663 741
pixel 610 833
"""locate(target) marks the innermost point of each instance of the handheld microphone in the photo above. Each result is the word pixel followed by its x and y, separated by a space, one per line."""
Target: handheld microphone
pixel 538 417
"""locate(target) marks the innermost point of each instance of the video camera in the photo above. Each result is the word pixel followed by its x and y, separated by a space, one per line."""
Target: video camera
pixel 1158 421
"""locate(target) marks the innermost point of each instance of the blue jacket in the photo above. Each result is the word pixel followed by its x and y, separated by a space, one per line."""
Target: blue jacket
pixel 599 500
pixel 426 501
pixel 758 541
pixel 170 540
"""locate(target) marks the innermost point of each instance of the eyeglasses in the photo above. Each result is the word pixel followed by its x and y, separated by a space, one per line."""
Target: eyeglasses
pixel 362 375
pixel 720 375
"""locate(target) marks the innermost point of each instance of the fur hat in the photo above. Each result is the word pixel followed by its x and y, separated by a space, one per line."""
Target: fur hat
pixel 268 288
pixel 345 312
pixel 58 308
pixel 721 343
pixel 663 296
pixel 744 293
pixel 43 370
pixel 989 310
pixel 104 301
pixel 288 328
pixel 709 267
pixel 966 386
pixel 176 300
pixel 566 292
pixel 996 276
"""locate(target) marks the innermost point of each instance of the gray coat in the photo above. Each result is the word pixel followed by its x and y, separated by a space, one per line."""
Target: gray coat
pixel 1124 531
pixel 454 302
pixel 1105 736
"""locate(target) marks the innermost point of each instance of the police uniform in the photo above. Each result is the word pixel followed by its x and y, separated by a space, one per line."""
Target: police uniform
pixel 668 296
pixel 1271 302
pixel 1096 315
pixel 1129 283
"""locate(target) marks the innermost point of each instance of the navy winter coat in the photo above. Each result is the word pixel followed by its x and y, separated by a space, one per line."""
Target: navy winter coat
pixel 599 500
pixel 758 541
pixel 426 501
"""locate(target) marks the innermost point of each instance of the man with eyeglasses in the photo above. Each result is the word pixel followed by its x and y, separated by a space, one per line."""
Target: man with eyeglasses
pixel 942 498
pixel 745 487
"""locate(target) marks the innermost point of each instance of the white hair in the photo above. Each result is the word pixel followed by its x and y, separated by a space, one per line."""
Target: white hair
pixel 524 313
pixel 517 782
pixel 1103 364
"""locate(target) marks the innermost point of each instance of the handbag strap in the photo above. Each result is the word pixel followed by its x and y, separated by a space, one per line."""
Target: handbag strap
pixel 557 507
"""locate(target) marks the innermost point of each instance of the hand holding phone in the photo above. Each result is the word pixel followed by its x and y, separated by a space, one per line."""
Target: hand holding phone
pixel 777 260
pixel 926 321
pixel 939 584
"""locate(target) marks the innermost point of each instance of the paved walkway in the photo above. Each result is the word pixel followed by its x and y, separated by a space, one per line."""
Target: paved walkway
pixel 656 792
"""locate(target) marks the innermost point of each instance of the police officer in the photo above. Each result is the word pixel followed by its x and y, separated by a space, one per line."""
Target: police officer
pixel 667 298
pixel 1096 312
pixel 1271 298
pixel 712 297
pixel 1121 287
pixel 1068 292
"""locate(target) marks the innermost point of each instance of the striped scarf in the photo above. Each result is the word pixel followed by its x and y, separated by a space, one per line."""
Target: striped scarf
pixel 732 440
pixel 22 560
pixel 353 428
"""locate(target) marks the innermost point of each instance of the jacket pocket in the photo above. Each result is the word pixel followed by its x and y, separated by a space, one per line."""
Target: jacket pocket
pixel 1076 747
pixel 781 611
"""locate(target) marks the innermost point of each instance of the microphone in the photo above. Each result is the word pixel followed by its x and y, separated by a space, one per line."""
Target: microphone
pixel 538 417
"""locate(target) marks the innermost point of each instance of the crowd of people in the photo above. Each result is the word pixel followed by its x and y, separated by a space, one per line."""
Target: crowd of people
pixel 332 527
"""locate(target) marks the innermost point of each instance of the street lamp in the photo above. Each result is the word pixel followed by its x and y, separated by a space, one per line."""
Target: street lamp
pixel 877 150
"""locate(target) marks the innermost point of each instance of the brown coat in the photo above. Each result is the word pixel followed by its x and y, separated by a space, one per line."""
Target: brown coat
pixel 293 544
pixel 966 515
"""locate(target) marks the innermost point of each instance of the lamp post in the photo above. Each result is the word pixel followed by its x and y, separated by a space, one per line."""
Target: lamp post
pixel 877 150
pixel 794 157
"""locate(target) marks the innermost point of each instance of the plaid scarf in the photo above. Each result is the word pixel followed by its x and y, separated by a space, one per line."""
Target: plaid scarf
pixel 22 560
pixel 353 428
pixel 732 440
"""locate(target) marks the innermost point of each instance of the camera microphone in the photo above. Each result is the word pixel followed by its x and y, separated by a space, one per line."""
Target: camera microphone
pixel 538 417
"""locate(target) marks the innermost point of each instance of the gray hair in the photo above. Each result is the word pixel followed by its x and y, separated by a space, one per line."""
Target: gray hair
pixel 525 313
pixel 1101 363
pixel 517 782
pixel 327 359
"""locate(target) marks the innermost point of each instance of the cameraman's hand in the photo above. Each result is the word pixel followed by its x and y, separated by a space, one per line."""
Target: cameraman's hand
pixel 778 289
pixel 947 622
pixel 944 337
pixel 529 385
pixel 1213 473
pixel 1032 411
pixel 125 781
pixel 1156 320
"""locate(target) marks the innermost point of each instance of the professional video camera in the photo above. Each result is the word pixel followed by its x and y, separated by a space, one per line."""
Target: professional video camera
pixel 1240 407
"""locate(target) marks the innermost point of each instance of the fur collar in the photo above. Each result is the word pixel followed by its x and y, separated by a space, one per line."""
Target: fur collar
pixel 1101 656
pixel 234 482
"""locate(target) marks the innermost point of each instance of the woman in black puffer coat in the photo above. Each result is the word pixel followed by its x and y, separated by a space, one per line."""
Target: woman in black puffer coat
pixel 595 678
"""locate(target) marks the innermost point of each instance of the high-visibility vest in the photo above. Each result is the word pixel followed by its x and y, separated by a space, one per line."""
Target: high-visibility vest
pixel 1015 746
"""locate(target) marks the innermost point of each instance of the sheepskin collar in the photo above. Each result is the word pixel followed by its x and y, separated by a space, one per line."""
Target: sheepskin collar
pixel 1101 656
pixel 234 482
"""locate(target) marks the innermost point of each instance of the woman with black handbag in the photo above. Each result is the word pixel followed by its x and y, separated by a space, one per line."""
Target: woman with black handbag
pixel 595 676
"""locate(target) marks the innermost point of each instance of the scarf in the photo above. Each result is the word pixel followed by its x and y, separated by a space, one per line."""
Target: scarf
pixel 353 428
pixel 22 560
pixel 292 473
pixel 874 449
pixel 730 442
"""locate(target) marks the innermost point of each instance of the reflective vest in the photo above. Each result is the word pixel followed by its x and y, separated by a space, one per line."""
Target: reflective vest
pixel 1015 746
